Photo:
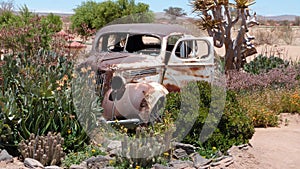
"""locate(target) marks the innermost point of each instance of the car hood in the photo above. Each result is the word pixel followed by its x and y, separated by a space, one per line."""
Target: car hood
pixel 118 60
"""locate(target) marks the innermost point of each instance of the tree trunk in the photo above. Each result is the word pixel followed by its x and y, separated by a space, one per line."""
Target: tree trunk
pixel 229 55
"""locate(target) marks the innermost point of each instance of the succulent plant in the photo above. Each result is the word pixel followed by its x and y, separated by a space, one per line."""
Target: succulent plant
pixel 46 149
pixel 263 64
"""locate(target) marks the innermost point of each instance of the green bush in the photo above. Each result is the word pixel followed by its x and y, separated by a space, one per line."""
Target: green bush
pixel 233 128
pixel 263 64
pixel 36 98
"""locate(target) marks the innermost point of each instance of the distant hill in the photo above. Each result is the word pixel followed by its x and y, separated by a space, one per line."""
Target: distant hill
pixel 59 14
pixel 163 15
pixel 278 18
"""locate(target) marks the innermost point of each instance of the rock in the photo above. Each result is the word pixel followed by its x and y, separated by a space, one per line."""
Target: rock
pixel 204 167
pixel 77 167
pixel 159 166
pixel 180 153
pixel 32 163
pixel 243 147
pixel 187 147
pixel 113 145
pixel 219 158
pixel 178 164
pixel 225 162
pixel 4 156
pixel 52 167
pixel 115 152
pixel 97 162
pixel 199 161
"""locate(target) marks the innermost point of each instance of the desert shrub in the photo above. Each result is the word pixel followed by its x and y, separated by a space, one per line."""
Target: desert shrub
pixel 287 34
pixel 275 78
pixel 264 106
pixel 290 101
pixel 234 127
pixel 28 32
pixel 266 36
pixel 258 105
pixel 262 64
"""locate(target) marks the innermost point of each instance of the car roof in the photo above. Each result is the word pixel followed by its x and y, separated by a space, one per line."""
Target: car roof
pixel 145 28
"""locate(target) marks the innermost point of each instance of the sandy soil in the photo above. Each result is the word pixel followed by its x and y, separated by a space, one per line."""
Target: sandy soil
pixel 287 52
pixel 275 148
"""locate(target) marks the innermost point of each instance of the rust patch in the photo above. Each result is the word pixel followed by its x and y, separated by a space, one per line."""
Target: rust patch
pixel 201 76
pixel 172 88
pixel 194 68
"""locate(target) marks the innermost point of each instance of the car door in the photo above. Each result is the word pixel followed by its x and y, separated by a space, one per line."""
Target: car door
pixel 192 59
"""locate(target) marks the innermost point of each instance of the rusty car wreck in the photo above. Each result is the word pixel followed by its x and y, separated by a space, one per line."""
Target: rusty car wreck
pixel 137 65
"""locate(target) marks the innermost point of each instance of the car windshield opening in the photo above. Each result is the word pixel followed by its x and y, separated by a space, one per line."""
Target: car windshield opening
pixel 131 43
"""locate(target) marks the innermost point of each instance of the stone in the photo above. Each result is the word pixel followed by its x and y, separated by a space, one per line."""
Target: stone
pixel 113 145
pixel 32 163
pixel 52 167
pixel 178 164
pixel 159 166
pixel 180 153
pixel 4 156
pixel 226 161
pixel 77 167
pixel 97 162
pixel 115 152
pixel 187 147
pixel 200 161
pixel 204 167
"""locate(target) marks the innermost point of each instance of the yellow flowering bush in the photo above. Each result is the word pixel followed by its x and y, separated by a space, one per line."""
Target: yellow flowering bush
pixel 257 106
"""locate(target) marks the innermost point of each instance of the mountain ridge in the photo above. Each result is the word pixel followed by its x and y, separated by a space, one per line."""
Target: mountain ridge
pixel 163 15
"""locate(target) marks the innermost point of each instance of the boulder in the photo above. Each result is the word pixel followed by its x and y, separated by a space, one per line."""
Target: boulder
pixel 199 161
pixel 4 156
pixel 32 163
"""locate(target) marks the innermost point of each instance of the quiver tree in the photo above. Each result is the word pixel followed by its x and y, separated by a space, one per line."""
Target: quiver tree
pixel 218 18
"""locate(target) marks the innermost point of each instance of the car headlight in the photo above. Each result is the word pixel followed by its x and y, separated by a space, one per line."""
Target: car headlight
pixel 117 82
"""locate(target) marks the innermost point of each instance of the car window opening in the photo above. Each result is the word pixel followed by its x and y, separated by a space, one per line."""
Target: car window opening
pixel 136 43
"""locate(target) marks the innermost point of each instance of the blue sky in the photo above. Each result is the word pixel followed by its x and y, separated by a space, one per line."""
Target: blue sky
pixel 262 7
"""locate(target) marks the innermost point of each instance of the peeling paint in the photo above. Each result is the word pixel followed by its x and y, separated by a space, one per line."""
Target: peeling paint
pixel 149 73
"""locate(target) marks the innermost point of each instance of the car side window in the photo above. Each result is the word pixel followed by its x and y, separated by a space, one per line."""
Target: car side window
pixel 112 42
pixel 188 49
pixel 172 41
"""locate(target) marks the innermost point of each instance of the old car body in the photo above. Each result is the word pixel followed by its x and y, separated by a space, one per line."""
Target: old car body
pixel 138 64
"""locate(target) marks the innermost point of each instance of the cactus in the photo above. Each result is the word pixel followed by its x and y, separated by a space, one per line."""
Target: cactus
pixel 46 149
